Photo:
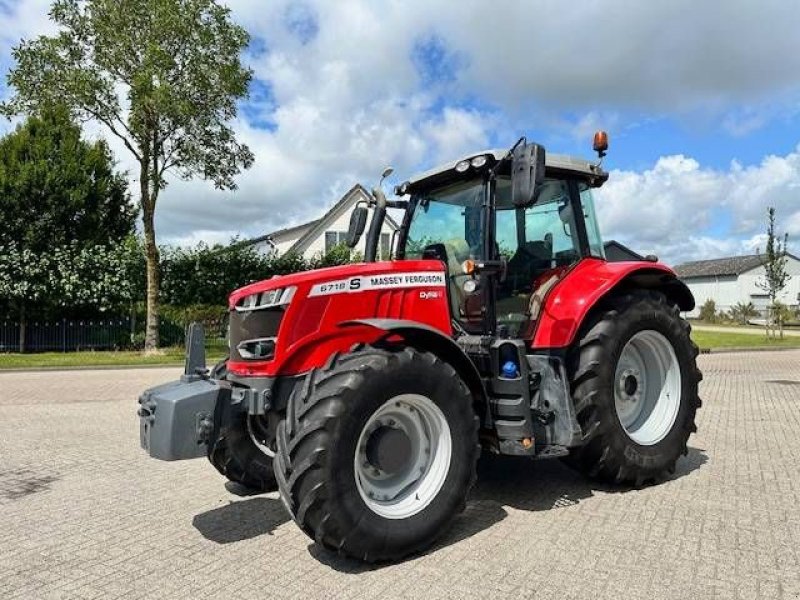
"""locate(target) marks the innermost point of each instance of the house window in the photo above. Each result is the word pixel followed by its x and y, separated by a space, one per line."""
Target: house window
pixel 385 246
pixel 333 239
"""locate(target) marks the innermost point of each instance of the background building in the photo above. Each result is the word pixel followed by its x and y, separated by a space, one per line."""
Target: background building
pixel 735 279
pixel 321 235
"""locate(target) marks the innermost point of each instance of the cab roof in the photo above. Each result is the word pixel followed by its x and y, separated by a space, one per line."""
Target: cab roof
pixel 554 163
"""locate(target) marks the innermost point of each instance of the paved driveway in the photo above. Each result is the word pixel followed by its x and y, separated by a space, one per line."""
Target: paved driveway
pixel 83 512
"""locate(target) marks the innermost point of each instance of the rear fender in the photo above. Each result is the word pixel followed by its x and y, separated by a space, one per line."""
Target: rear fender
pixel 428 338
pixel 579 291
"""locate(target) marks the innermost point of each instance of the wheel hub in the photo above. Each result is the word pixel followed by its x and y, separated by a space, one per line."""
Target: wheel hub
pixel 402 456
pixel 388 449
pixel 630 385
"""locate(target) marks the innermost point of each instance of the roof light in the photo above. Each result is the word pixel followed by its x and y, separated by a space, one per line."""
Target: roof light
pixel 478 161
pixel 600 143
pixel 462 166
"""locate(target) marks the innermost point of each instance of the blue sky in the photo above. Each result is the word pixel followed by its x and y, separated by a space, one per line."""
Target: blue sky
pixel 701 101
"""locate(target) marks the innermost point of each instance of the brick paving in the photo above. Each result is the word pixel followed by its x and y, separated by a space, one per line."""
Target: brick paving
pixel 85 514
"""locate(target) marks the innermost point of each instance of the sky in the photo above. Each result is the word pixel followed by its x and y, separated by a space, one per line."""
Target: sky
pixel 701 101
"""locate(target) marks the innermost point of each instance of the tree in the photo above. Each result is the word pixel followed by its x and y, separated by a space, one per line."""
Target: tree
pixel 56 188
pixel 163 76
pixel 708 312
pixel 775 274
pixel 60 197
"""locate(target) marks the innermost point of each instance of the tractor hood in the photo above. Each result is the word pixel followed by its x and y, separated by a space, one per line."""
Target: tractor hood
pixel 292 323
pixel 350 278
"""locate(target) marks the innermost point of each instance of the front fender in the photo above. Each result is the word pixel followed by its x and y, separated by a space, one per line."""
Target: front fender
pixel 432 340
pixel 578 292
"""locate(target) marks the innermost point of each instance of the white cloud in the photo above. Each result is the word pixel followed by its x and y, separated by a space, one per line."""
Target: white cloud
pixel 457 132
pixel 669 208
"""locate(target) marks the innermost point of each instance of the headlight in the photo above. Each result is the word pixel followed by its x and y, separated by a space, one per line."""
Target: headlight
pixel 478 161
pixel 462 166
pixel 267 299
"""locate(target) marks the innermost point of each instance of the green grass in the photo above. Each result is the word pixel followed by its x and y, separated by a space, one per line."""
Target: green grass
pixel 215 351
pixel 715 339
pixel 166 356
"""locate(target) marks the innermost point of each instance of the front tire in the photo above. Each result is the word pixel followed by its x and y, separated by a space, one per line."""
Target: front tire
pixel 634 384
pixel 378 452
pixel 244 447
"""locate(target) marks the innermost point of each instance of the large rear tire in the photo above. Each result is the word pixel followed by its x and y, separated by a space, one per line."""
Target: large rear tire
pixel 634 384
pixel 378 452
pixel 245 446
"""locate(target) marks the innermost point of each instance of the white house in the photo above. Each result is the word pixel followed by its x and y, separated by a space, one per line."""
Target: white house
pixel 319 236
pixel 735 279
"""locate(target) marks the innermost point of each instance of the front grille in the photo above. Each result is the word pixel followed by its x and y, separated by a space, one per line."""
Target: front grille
pixel 253 325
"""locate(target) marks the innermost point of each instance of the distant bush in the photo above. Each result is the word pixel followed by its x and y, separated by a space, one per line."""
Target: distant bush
pixel 708 312
pixel 205 275
pixel 742 312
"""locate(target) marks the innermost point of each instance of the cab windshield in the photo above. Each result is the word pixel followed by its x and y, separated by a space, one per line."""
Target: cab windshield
pixel 452 216
pixel 449 223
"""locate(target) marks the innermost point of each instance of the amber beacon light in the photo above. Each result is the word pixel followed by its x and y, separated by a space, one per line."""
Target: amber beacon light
pixel 600 143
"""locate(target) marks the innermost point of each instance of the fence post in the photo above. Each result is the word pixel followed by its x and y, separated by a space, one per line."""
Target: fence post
pixel 63 334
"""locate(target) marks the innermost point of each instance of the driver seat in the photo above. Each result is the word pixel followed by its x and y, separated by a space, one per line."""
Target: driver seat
pixel 453 253
pixel 528 261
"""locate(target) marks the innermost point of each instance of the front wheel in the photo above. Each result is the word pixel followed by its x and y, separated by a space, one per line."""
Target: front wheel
pixel 378 452
pixel 244 445
pixel 634 385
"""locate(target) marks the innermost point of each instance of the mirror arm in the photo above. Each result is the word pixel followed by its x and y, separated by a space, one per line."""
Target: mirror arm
pixel 375 226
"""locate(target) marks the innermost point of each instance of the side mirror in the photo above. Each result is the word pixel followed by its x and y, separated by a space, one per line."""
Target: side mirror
pixel 358 221
pixel 527 172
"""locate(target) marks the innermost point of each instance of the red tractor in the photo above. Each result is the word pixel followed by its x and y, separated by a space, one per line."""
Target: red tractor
pixel 365 393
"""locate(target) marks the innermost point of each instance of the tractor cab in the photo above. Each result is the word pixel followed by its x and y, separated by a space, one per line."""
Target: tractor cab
pixel 501 255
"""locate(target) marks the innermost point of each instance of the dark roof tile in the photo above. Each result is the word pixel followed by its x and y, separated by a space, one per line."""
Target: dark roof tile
pixel 718 267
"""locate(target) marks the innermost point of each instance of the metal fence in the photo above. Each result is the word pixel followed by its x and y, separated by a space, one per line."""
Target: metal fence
pixel 70 335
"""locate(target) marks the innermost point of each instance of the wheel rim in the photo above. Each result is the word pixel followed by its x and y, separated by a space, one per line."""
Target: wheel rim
pixel 647 387
pixel 403 456
pixel 258 431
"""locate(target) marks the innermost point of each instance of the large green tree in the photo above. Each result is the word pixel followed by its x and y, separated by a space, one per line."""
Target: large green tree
pixel 57 188
pixel 163 76
pixel 63 208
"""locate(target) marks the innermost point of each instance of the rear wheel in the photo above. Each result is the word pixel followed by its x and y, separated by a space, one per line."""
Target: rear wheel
pixel 378 452
pixel 634 384
pixel 245 446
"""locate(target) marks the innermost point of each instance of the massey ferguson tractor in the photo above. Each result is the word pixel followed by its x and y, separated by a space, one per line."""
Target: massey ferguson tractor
pixel 365 393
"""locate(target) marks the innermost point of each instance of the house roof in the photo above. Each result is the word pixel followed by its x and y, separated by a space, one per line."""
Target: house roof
pixel 277 232
pixel 292 229
pixel 719 267
pixel 317 226
pixel 356 193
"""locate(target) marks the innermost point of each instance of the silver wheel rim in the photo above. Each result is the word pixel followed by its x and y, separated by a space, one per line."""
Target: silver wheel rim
pixel 413 487
pixel 647 387
pixel 251 431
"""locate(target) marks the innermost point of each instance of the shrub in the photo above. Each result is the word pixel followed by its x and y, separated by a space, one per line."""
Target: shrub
pixel 742 313
pixel 708 312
